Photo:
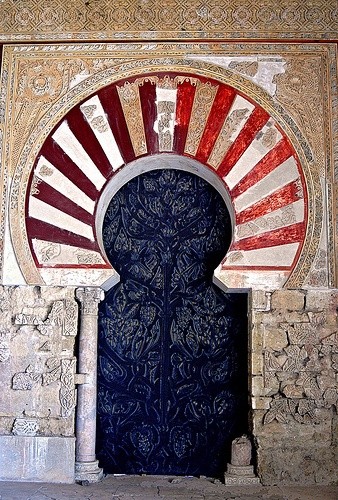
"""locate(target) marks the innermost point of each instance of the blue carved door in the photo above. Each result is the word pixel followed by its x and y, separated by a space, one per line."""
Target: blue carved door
pixel 172 371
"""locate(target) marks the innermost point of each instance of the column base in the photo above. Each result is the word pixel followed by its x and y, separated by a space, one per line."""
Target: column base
pixel 241 475
pixel 88 472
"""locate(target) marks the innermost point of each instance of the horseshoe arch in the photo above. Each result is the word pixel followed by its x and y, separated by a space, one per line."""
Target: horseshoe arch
pixel 137 122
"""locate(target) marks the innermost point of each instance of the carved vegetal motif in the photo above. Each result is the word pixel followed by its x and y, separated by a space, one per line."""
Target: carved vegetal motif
pixel 99 124
pixel 296 358
pixel 166 110
pixel 302 78
pixel 4 345
pixel 50 251
pixel 53 373
pixel 224 139
pixel 39 84
pixel 55 317
pixel 35 186
pixel 25 427
pixel 165 334
pixel 63 315
pixel 67 389
pixel 131 104
pixel 280 408
pixel 249 68
pixel 285 216
pixel 89 298
pixel 302 377
pixel 84 257
pixel 269 138
pixel 45 171
pixel 88 110
pixel 204 98
pixel 70 318
pixel 24 381
pixel 319 273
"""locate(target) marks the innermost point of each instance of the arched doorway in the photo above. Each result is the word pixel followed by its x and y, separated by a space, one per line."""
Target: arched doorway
pixel 172 365
pixel 163 114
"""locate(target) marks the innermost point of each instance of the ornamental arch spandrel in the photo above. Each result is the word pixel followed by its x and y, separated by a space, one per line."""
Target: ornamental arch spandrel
pixel 87 129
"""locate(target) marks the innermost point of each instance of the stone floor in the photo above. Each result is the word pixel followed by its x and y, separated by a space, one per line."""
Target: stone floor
pixel 157 487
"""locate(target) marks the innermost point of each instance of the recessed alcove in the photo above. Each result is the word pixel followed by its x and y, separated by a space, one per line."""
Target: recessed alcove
pixel 172 360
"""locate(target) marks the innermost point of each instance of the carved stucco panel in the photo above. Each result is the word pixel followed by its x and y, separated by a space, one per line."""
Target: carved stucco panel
pixel 76 72
pixel 299 348
pixel 173 19
pixel 37 364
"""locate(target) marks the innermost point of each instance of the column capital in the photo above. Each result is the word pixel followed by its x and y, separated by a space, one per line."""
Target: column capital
pixel 89 297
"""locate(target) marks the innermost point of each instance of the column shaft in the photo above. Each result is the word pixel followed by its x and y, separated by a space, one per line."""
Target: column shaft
pixel 86 464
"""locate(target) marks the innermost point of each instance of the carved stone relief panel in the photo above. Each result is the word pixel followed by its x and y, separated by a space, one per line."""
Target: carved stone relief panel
pixel 299 348
pixel 295 384
pixel 164 20
pixel 37 367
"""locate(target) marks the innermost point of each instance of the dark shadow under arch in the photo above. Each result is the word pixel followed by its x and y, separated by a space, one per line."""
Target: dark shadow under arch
pixel 172 371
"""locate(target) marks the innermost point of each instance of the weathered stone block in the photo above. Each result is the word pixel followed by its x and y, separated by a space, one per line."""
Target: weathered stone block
pixel 257 386
pixel 36 358
pixel 260 403
pixel 256 364
pixel 293 433
pixel 257 335
pixel 275 338
pixel 261 300
pixel 284 316
pixel 37 459
pixel 288 300
pixel 319 300
pixel 296 464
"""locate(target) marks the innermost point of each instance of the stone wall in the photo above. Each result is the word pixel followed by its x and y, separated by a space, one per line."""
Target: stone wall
pixel 295 385
pixel 37 383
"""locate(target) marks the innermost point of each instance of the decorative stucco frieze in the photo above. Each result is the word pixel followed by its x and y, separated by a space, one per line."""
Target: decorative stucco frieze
pixel 173 19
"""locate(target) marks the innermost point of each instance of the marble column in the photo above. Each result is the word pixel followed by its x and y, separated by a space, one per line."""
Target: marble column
pixel 86 465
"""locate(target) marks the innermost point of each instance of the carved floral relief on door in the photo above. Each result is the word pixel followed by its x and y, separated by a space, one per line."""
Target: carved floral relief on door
pixel 172 365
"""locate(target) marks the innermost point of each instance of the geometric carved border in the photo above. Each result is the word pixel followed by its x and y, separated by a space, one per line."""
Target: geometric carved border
pixel 172 19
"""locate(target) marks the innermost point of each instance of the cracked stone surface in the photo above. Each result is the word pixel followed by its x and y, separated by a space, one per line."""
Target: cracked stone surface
pixel 157 487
